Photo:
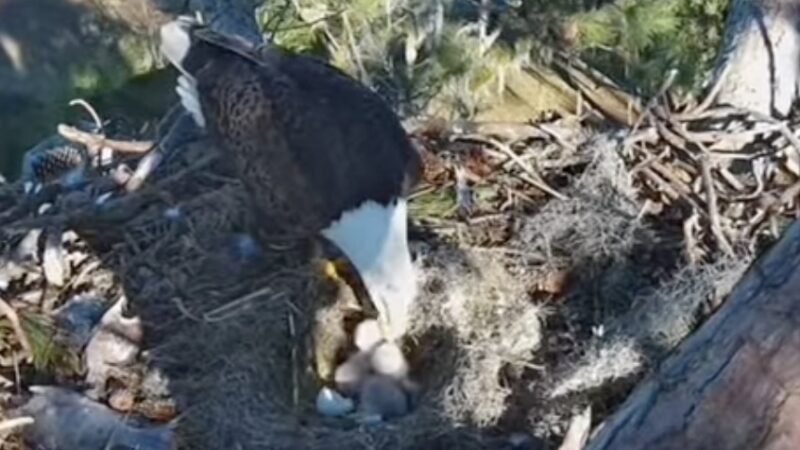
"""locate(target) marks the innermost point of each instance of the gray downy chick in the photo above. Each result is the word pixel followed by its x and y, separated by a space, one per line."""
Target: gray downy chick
pixel 114 344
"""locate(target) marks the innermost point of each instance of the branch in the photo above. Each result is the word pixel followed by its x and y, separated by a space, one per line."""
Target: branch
pixel 96 142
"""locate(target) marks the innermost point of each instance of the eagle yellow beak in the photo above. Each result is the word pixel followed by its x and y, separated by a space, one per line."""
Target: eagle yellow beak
pixel 336 271
pixel 330 272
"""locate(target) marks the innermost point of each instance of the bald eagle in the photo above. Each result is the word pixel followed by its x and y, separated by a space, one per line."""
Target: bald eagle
pixel 315 149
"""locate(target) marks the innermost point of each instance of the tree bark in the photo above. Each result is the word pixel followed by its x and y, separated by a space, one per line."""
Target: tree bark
pixel 735 383
pixel 759 64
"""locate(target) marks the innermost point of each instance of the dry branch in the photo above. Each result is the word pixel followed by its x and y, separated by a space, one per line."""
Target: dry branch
pixel 96 142
pixel 616 104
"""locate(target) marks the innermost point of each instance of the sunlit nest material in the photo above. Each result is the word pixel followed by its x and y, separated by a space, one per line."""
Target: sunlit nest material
pixel 228 318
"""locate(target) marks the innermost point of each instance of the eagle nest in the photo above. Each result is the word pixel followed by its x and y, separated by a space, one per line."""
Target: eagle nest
pixel 228 319
pixel 526 316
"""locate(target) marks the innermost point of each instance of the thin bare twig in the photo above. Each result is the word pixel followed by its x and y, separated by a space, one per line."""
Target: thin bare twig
pixel 713 211
pixel 232 308
pixel 95 117
pixel 709 99
pixel 95 142
pixel 533 177
pixel 9 425
pixel 647 112
pixel 295 378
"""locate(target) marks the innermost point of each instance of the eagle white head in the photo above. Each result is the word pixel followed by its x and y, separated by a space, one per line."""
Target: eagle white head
pixel 374 237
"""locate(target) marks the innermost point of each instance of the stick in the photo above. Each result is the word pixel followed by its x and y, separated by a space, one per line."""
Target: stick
pixel 95 142
pixel 654 101
pixel 292 336
pixel 9 425
pixel 534 179
pixel 709 98
pixel 713 213
pixel 90 110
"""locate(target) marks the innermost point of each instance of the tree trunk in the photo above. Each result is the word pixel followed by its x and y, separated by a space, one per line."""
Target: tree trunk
pixel 734 383
pixel 759 65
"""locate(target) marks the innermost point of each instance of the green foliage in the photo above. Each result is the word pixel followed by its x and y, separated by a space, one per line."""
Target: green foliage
pixel 412 51
pixel 48 354
pixel 639 41
pixel 433 54
pixel 439 203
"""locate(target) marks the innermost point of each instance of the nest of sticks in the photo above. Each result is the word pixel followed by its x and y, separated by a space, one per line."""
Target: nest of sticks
pixel 541 248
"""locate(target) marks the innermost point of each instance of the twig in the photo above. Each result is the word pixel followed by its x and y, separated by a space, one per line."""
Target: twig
pixel 184 311
pixel 709 98
pixel 95 142
pixel 790 194
pixel 13 318
pixel 654 100
pixel 351 41
pixel 17 422
pixel 711 201
pixel 428 190
pixel 17 373
pixel 533 179
pixel 230 309
pixel 781 125
pixel 666 188
pixel 578 431
pixel 556 136
pixel 146 166
pixel 95 117
pixel 648 161
pixel 292 338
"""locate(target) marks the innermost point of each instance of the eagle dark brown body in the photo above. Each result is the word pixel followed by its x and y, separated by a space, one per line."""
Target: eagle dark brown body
pixel 308 141
pixel 319 153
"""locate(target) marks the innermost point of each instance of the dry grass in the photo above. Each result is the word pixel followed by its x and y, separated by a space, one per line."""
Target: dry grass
pixel 602 364
pixel 598 220
pixel 656 323
pixel 494 325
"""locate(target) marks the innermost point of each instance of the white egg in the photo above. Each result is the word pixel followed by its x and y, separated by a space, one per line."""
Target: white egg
pixel 388 359
pixel 367 335
pixel 332 404
pixel 382 396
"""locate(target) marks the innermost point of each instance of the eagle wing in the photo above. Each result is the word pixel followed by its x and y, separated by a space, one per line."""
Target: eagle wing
pixel 309 141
